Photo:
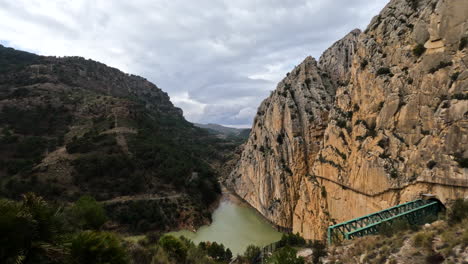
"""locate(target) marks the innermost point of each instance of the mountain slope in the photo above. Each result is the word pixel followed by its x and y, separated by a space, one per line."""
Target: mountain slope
pixel 71 126
pixel 390 123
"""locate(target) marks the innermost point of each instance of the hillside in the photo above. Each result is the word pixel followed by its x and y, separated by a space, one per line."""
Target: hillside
pixel 71 126
pixel 378 120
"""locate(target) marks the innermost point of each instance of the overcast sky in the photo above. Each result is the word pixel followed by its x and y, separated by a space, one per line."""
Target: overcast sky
pixel 217 59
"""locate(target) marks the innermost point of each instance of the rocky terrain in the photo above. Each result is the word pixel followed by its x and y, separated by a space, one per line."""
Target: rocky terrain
pixel 379 120
pixel 71 126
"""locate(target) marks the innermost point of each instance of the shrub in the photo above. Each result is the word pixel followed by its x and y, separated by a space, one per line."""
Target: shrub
pixel 30 232
pixel 423 239
pixel 459 211
pixel 88 214
pixel 419 50
pixel 285 255
pixel 174 247
pixel 92 247
pixel 252 254
pixel 292 240
pixel 383 71
pixel 217 252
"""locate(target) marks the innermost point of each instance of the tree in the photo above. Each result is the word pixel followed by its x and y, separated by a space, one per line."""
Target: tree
pixel 30 232
pixel 174 248
pixel 252 254
pixel 92 247
pixel 286 255
pixel 87 213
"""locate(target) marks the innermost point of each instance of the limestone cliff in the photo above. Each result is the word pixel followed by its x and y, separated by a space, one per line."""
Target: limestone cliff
pixel 287 134
pixel 391 122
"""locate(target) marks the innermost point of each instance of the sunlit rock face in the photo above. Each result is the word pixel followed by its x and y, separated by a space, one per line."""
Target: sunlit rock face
pixel 379 120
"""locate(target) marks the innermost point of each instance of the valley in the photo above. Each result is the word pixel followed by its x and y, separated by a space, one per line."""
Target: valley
pixel 99 166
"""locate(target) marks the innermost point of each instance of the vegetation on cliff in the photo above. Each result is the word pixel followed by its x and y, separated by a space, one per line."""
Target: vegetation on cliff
pixel 70 126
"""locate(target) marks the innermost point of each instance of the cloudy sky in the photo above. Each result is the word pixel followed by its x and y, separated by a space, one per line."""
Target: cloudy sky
pixel 217 59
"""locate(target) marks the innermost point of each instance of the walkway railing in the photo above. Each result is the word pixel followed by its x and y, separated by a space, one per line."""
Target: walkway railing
pixel 414 212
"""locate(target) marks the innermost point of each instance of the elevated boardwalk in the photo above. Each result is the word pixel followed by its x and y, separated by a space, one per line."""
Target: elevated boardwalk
pixel 414 212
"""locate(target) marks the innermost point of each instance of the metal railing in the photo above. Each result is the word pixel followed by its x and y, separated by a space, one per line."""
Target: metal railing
pixel 414 212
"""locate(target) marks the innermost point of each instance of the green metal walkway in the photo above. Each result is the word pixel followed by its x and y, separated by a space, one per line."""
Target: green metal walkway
pixel 414 212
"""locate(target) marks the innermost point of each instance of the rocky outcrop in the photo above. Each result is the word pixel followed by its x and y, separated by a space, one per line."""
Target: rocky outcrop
pixel 396 126
pixel 287 135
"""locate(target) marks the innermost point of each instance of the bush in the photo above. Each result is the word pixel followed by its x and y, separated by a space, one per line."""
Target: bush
pixel 286 255
pixel 88 214
pixel 92 247
pixel 419 50
pixel 30 232
pixel 174 247
pixel 383 71
pixel 292 240
pixel 252 254
pixel 459 211
pixel 423 239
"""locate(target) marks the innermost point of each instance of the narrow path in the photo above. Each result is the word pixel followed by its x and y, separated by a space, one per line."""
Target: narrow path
pixel 435 181
pixel 142 197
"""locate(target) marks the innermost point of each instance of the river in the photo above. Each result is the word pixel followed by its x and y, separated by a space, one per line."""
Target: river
pixel 236 225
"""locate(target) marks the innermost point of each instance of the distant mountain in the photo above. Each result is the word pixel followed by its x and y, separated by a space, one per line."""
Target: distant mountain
pixel 71 126
pixel 242 133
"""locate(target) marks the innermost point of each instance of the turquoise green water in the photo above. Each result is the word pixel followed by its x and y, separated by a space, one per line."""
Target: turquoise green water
pixel 236 226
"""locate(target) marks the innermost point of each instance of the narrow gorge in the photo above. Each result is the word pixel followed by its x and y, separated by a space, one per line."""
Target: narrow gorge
pixel 379 120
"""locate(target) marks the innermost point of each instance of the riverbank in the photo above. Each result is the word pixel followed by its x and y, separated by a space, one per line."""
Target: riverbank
pixel 235 224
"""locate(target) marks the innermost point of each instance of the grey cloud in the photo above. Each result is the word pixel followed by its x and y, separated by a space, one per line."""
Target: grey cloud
pixel 217 59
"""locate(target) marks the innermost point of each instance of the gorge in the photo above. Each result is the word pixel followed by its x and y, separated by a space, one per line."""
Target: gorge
pixel 91 154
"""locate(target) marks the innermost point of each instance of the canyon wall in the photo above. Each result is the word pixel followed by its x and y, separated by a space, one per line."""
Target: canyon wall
pixel 379 120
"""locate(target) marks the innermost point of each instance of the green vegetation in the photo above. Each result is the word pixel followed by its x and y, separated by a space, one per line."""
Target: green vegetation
pixel 32 231
pixel 419 50
pixel 36 232
pixel 86 213
pixel 383 71
pixel 285 255
pixel 442 241
pixel 292 240
pixel 11 60
pixel 252 254
pixel 93 247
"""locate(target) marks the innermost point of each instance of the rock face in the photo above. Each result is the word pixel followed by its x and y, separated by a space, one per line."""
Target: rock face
pixel 389 123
